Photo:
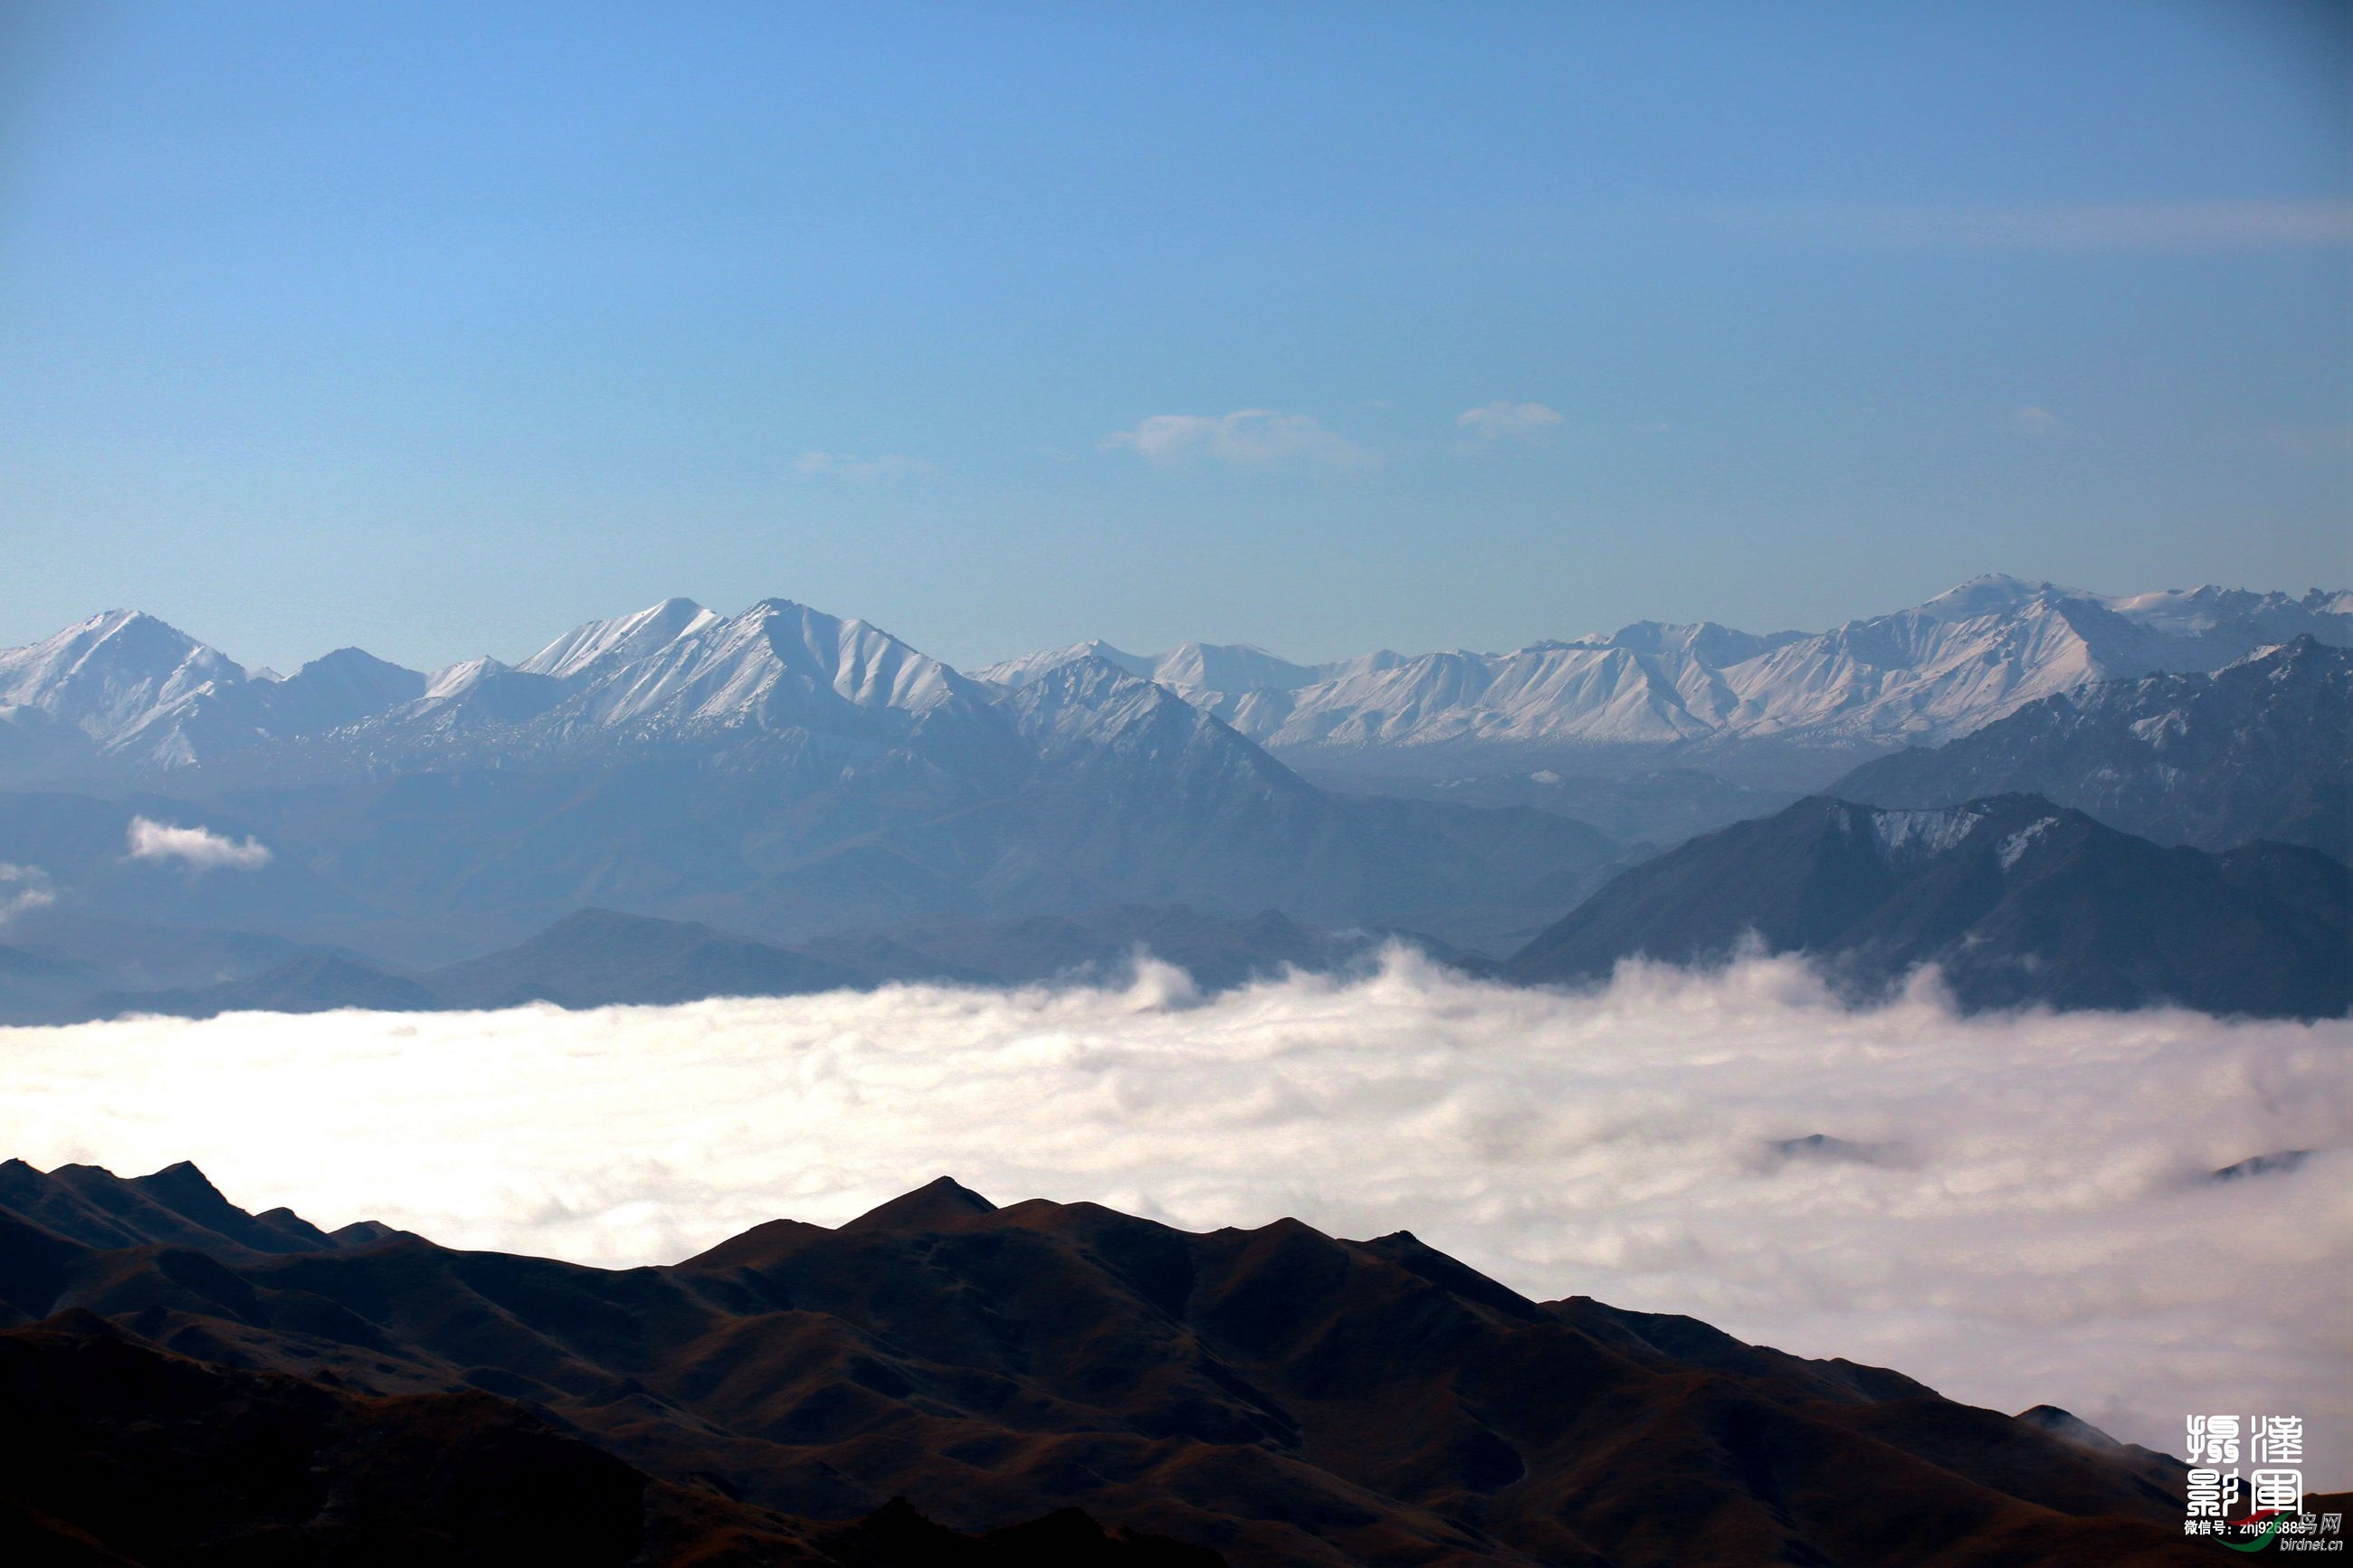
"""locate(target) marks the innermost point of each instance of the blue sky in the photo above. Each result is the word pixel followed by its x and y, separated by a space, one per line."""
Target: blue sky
pixel 438 329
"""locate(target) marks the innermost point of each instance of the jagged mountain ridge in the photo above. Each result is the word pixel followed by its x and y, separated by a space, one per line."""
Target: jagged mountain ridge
pixel 1939 669
pixel 1274 1395
pixel 778 774
pixel 787 776
pixel 151 697
pixel 2260 749
pixel 2018 902
pixel 148 697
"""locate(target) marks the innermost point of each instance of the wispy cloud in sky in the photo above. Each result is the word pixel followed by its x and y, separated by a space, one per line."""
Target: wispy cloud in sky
pixel 1505 421
pixel 859 468
pixel 199 848
pixel 22 889
pixel 2031 420
pixel 1245 438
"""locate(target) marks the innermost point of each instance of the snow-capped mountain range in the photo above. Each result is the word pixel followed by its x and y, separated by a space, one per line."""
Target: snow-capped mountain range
pixel 170 818
pixel 146 696
pixel 124 692
pixel 1918 677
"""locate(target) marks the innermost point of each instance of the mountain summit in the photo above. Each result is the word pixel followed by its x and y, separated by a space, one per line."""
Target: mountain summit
pixel 2017 900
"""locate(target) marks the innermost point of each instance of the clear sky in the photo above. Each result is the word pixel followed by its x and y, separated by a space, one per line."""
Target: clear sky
pixel 438 329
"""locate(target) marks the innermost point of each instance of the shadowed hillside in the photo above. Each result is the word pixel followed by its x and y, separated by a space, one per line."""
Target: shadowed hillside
pixel 1274 1395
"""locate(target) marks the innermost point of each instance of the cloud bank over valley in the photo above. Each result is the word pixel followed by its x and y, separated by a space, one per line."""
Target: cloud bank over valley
pixel 2013 1208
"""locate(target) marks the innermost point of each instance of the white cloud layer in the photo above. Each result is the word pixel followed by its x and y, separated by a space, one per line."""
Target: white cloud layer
pixel 2033 1220
pixel 1507 421
pixel 1247 437
pixel 198 847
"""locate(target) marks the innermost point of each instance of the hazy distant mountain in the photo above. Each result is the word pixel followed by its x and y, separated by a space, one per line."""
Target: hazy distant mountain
pixel 1101 945
pixel 906 800
pixel 313 983
pixel 1659 808
pixel 1206 674
pixel 597 958
pixel 1285 1396
pixel 788 775
pixel 2018 900
pixel 37 988
pixel 2261 749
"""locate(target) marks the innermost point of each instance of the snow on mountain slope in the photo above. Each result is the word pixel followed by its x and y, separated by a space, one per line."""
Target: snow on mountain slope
pixel 1939 669
pixel 2257 750
pixel 116 675
pixel 2200 611
pixel 151 697
pixel 1210 676
pixel 778 665
pixel 1013 674
pixel 1092 708
pixel 619 640
pixel 478 694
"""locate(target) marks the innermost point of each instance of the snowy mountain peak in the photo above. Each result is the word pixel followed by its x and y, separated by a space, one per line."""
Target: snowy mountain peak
pixel 1016 673
pixel 617 640
pixel 2203 611
pixel 1231 667
pixel 457 678
pixel 1198 671
pixel 1790 705
pixel 1093 713
pixel 1994 594
pixel 110 673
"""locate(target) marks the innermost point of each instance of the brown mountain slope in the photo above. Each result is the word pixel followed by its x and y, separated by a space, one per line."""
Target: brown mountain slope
pixel 1276 1394
pixel 119 1454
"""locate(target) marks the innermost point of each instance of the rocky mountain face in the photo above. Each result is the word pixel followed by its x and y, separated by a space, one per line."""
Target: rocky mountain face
pixel 2017 900
pixel 1260 1396
pixel 2260 749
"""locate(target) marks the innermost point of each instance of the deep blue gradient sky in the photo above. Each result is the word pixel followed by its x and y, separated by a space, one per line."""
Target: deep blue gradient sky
pixel 440 328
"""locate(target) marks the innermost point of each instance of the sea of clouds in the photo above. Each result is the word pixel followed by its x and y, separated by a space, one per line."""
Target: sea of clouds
pixel 2019 1210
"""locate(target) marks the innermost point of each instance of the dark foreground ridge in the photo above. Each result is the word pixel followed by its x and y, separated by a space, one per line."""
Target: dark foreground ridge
pixel 946 1381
